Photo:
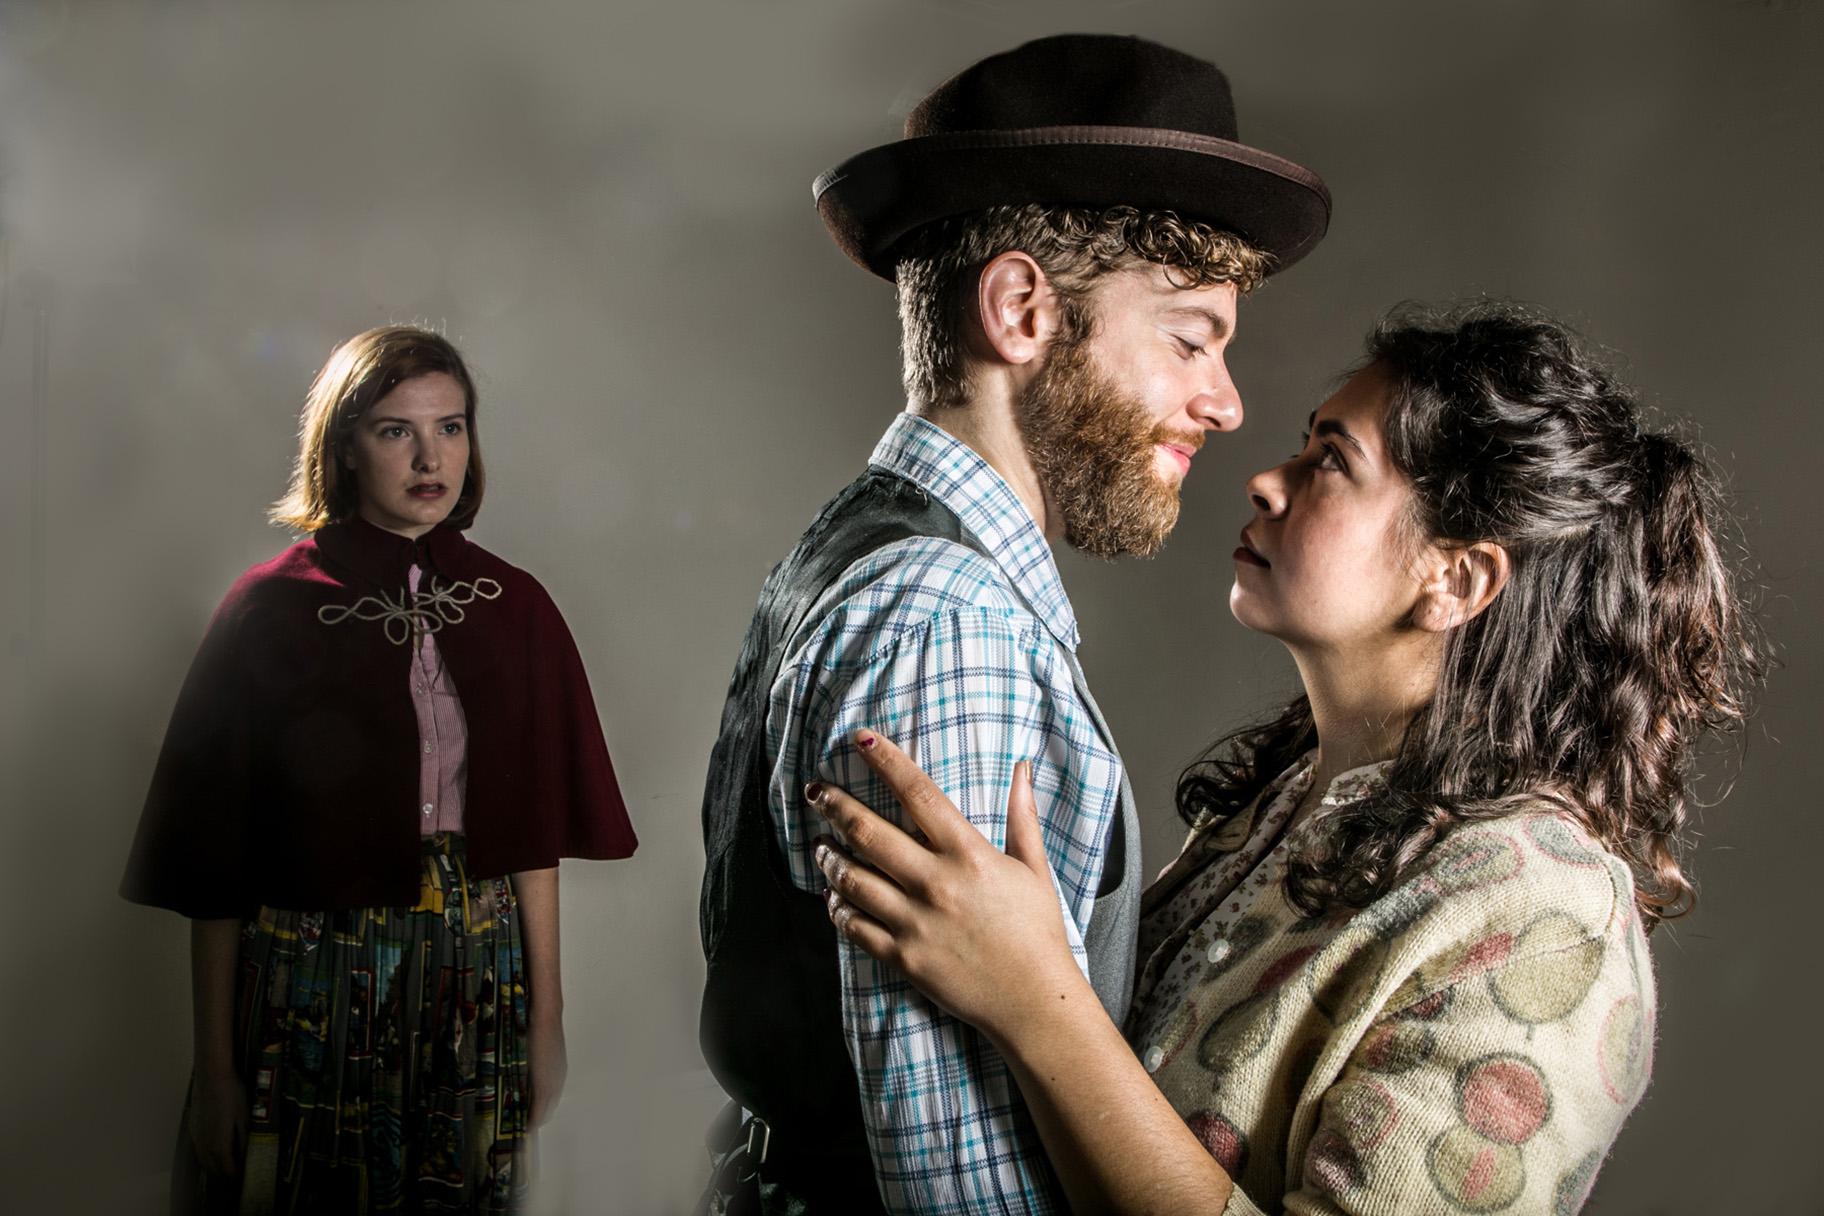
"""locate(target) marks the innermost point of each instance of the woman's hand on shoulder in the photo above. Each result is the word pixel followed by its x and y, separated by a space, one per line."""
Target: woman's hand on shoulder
pixel 978 931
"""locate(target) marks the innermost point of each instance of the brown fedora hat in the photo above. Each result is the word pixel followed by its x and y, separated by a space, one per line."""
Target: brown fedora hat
pixel 1091 120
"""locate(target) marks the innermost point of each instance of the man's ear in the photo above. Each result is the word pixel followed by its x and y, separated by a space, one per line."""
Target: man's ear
pixel 1459 583
pixel 1017 308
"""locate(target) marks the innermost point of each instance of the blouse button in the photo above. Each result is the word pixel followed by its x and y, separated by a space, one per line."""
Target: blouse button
pixel 427 749
pixel 428 808
pixel 1155 1056
pixel 1219 950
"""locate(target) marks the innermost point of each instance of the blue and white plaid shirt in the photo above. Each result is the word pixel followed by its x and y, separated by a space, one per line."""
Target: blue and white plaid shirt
pixel 965 662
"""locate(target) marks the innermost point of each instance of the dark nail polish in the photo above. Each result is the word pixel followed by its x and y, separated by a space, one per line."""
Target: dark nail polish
pixel 866 741
pixel 813 792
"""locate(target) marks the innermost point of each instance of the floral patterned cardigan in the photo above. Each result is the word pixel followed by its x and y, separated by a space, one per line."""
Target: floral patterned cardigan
pixel 1470 1042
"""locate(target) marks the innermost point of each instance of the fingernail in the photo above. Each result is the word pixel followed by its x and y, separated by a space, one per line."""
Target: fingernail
pixel 820 854
pixel 829 897
pixel 866 740
pixel 813 792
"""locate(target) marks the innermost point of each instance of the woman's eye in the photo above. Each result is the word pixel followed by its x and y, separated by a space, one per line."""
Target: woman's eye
pixel 1332 458
pixel 452 428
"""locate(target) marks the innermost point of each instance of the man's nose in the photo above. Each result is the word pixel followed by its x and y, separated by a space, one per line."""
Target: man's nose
pixel 1218 407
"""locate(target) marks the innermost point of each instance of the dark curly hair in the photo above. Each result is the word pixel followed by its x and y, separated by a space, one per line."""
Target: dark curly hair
pixel 1621 638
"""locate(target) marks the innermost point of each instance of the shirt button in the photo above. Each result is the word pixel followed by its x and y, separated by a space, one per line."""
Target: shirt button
pixel 1219 950
pixel 1154 1057
pixel 428 808
pixel 418 688
pixel 427 749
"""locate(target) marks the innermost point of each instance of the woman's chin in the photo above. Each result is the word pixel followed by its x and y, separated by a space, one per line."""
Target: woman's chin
pixel 1246 608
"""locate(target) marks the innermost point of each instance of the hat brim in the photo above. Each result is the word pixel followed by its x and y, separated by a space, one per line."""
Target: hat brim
pixel 872 200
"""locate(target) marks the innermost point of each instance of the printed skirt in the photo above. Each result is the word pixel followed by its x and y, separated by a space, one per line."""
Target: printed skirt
pixel 384 1051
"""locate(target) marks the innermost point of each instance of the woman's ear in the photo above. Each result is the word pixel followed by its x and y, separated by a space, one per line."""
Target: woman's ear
pixel 1016 307
pixel 1459 583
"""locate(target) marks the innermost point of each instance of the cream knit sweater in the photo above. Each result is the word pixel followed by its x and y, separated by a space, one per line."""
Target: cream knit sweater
pixel 1471 1042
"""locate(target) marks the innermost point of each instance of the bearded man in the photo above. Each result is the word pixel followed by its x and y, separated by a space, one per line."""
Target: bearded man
pixel 1069 225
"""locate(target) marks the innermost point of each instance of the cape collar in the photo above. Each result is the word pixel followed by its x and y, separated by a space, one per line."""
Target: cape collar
pixel 383 558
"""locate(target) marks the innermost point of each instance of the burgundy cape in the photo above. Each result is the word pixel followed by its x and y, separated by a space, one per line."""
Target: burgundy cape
pixel 289 775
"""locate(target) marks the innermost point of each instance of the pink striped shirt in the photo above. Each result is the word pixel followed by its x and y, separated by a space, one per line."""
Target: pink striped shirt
pixel 443 735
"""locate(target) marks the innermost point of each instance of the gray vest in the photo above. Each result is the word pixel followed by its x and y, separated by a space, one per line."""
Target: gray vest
pixel 770 1024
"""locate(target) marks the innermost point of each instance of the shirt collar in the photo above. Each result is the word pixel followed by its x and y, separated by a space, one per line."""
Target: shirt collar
pixel 1351 785
pixel 1355 784
pixel 953 473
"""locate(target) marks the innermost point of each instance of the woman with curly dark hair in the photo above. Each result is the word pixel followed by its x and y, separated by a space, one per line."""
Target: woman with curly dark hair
pixel 1401 962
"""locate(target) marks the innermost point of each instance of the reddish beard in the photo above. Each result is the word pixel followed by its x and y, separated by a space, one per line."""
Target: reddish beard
pixel 1092 447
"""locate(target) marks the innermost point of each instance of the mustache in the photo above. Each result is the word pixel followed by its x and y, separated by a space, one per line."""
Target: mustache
pixel 1163 433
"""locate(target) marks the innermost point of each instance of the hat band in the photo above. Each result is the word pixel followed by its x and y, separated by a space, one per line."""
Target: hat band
pixel 1082 136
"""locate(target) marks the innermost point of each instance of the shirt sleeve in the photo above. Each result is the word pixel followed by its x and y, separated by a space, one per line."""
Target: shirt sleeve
pixel 968 694
pixel 1487 1095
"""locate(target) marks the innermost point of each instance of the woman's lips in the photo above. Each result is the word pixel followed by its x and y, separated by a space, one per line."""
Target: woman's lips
pixel 1246 553
pixel 432 490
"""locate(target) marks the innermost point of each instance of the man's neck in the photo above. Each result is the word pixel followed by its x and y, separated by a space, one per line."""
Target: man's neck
pixel 985 423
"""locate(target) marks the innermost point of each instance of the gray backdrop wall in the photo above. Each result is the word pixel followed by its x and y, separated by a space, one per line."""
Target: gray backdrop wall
pixel 607 207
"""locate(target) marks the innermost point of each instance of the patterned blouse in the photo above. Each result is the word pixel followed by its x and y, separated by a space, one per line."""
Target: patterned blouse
pixel 1470 1042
